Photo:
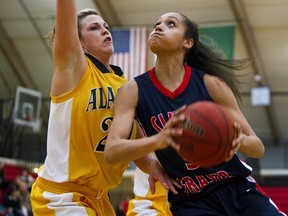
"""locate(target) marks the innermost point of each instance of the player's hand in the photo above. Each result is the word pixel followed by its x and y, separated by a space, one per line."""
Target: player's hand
pixel 166 136
pixel 236 142
pixel 158 174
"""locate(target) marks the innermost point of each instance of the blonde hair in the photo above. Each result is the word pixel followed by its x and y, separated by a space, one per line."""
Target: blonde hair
pixel 80 16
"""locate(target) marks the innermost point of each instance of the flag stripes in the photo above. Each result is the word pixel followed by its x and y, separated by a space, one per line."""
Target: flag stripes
pixel 130 50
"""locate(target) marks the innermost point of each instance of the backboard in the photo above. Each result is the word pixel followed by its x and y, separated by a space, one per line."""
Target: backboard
pixel 27 107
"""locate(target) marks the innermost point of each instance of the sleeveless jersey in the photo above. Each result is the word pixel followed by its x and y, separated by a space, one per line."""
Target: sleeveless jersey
pixel 78 125
pixel 156 105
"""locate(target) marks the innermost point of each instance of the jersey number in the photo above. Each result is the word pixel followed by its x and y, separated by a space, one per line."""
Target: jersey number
pixel 100 146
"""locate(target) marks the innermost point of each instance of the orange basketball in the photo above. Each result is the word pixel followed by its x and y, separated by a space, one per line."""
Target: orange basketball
pixel 208 134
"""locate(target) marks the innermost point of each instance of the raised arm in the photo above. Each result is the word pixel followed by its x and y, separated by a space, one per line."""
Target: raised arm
pixel 68 55
pixel 250 144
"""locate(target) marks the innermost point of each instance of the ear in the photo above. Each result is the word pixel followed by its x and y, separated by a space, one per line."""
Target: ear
pixel 188 43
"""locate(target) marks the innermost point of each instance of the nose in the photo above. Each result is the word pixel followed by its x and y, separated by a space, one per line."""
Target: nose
pixel 158 27
pixel 105 31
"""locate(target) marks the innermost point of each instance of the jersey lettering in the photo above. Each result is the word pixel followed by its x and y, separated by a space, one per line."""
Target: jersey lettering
pixel 199 182
pixel 110 97
pixel 98 99
pixel 162 120
pixel 158 122
pixel 202 181
pixel 191 185
pixel 213 177
pixel 154 124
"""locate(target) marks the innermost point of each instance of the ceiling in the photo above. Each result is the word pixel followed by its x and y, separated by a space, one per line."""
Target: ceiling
pixel 262 33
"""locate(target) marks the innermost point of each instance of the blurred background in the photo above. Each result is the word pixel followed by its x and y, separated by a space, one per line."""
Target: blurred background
pixel 255 29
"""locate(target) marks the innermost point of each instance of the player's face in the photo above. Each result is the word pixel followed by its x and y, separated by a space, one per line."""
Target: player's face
pixel 168 34
pixel 96 38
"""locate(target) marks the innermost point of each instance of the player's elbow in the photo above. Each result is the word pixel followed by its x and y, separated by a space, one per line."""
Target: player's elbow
pixel 108 159
pixel 257 152
pixel 260 152
pixel 109 156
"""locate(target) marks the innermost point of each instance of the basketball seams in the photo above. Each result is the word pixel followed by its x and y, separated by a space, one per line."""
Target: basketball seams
pixel 212 147
pixel 222 143
pixel 203 117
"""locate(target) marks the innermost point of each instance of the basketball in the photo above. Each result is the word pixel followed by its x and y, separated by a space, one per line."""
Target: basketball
pixel 208 134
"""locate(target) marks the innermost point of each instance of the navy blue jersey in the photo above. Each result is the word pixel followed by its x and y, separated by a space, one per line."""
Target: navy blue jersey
pixel 156 105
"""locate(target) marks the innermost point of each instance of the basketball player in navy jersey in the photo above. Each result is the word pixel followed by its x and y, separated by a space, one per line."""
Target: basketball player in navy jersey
pixel 187 71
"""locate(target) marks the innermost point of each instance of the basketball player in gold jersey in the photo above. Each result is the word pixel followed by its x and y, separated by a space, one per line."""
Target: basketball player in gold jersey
pixel 75 179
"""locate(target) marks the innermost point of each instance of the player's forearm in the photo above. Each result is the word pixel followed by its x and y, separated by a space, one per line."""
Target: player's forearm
pixel 145 163
pixel 128 150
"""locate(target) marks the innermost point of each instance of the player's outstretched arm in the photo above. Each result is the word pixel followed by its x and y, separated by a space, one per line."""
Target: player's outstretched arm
pixel 118 146
pixel 247 141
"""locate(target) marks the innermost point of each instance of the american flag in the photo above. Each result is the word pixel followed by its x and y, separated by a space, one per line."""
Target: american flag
pixel 130 50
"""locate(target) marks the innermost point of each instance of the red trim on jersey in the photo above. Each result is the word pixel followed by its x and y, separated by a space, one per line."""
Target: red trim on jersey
pixel 163 90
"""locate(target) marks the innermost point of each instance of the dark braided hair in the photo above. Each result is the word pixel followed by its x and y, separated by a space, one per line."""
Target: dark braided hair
pixel 211 62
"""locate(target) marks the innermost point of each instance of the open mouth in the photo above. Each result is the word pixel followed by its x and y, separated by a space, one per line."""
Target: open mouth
pixel 107 39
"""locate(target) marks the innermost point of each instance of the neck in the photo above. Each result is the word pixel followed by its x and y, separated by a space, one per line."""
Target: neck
pixel 171 70
pixel 103 58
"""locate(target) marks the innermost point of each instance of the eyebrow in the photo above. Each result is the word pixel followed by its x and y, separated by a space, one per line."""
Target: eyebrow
pixel 170 17
pixel 94 23
pixel 173 17
pixel 97 23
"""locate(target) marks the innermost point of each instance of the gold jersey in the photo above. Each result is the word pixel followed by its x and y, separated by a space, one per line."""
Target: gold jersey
pixel 77 131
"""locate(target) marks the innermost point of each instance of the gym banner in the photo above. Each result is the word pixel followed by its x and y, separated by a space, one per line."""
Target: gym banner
pixel 220 38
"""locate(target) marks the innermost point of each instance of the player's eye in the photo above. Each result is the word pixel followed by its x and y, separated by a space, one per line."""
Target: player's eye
pixel 171 24
pixel 107 27
pixel 93 28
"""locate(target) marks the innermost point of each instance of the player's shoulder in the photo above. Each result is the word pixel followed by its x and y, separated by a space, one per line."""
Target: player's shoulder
pixel 128 88
pixel 218 89
pixel 213 83
pixel 131 84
